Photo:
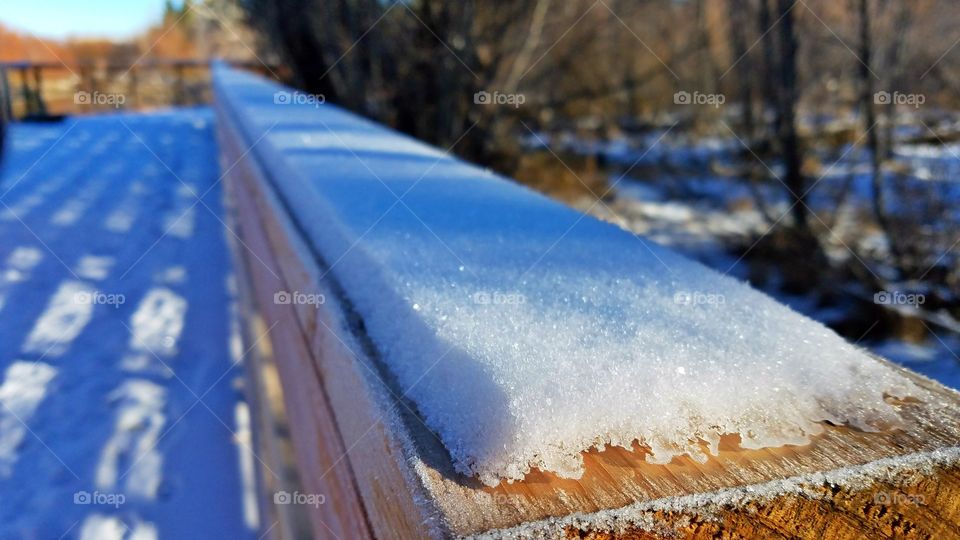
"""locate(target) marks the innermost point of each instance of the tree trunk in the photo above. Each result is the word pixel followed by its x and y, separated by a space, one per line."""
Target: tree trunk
pixel 786 118
pixel 867 98
pixel 764 22
pixel 738 45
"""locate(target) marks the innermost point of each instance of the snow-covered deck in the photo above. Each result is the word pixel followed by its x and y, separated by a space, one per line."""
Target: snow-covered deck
pixel 119 411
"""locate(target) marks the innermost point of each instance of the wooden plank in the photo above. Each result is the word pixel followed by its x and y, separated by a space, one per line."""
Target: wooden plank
pixel 407 486
pixel 361 397
pixel 318 447
pixel 262 388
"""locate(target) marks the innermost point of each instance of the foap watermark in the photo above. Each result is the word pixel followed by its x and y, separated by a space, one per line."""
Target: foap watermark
pixel 897 298
pixel 899 98
pixel 307 499
pixel 497 298
pixel 894 498
pixel 98 298
pixel 283 97
pixel 500 499
pixel 98 498
pixel 498 98
pixel 111 99
pixel 298 298
pixel 698 298
pixel 699 98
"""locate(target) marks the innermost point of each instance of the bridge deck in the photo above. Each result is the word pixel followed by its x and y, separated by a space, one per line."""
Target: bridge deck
pixel 118 362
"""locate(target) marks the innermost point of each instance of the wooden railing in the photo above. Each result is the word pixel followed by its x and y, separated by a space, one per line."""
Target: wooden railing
pixel 361 451
pixel 40 90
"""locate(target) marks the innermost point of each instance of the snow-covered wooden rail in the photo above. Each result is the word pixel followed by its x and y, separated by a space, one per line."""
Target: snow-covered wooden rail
pixel 458 356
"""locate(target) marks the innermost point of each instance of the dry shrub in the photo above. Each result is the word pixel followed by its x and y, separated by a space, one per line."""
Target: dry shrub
pixel 568 178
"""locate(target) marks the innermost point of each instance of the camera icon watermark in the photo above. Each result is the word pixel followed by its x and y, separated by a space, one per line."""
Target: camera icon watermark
pixel 99 499
pixel 111 99
pixel 698 298
pixel 306 499
pixel 699 98
pixel 497 98
pixel 899 98
pixel 897 298
pixel 98 298
pixel 283 97
pixel 298 298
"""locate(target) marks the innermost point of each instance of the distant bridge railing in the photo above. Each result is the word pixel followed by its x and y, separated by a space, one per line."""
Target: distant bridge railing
pixel 43 90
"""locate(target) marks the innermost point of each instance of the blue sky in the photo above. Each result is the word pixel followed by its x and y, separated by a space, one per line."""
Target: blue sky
pixel 82 18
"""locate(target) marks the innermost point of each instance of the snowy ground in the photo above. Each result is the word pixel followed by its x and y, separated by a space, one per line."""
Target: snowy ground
pixel 698 215
pixel 119 411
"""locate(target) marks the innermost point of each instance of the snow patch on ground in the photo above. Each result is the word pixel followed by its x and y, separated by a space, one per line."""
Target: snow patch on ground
pixel 156 326
pixel 17 269
pixel 24 388
pixel 94 267
pixel 139 422
pixel 67 313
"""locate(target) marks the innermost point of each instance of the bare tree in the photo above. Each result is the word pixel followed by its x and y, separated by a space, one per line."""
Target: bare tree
pixel 765 25
pixel 876 150
pixel 869 114
pixel 902 18
pixel 787 99
pixel 736 25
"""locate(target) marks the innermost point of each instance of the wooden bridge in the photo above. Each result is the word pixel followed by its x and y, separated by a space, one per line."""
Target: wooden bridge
pixel 130 214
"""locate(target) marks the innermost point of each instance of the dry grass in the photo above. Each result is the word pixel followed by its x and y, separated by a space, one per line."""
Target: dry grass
pixel 568 178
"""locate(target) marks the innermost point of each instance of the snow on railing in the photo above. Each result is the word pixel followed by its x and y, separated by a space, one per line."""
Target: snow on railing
pixel 526 332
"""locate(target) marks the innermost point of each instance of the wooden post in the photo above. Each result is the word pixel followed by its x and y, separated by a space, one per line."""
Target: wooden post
pixel 132 88
pixel 180 88
pixel 38 96
pixel 25 91
pixel 6 105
